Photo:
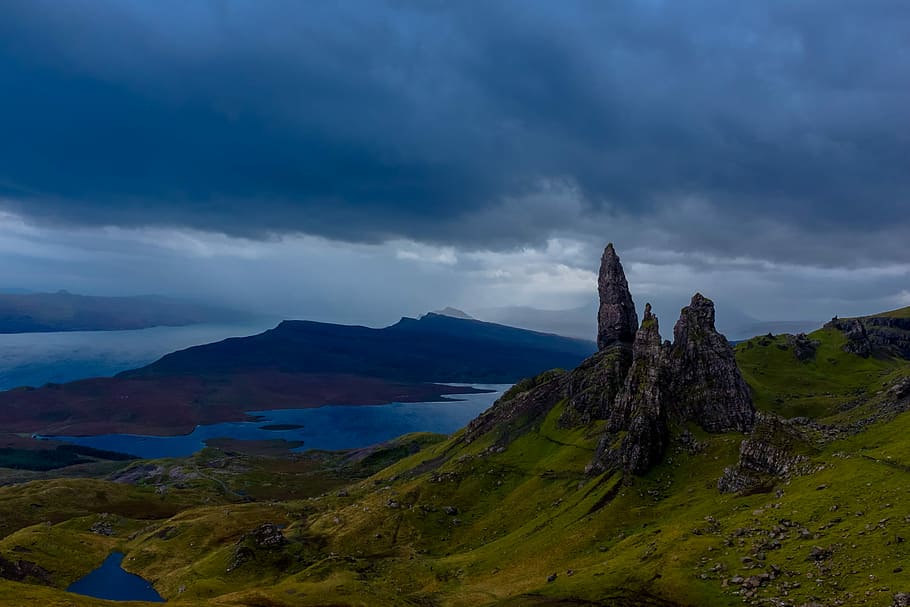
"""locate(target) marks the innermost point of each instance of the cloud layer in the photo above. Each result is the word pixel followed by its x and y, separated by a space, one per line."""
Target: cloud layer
pixel 310 155
pixel 466 124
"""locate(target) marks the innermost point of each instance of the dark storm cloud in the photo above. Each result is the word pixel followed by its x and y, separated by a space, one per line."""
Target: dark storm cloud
pixel 368 120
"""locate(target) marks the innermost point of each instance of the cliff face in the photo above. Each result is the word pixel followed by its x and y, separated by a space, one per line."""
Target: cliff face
pixel 693 380
pixel 636 432
pixel 883 335
pixel 640 386
pixel 776 448
pixel 705 385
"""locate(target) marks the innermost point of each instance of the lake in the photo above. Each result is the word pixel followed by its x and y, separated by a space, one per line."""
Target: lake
pixel 34 359
pixel 110 581
pixel 331 427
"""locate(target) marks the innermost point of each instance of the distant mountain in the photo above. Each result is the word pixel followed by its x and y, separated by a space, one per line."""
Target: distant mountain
pixel 297 364
pixel 435 347
pixel 454 313
pixel 64 311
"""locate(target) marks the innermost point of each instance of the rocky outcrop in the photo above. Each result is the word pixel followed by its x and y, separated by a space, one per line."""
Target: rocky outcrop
pixel 776 448
pixel 20 570
pixel 593 387
pixel 265 537
pixel 590 390
pixel 636 431
pixel 705 385
pixel 803 348
pixel 520 407
pixel 693 380
pixel 639 385
pixel 617 320
pixel 882 335
pixel 857 340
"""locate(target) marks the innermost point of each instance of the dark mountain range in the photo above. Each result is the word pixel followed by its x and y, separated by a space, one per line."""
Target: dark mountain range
pixel 434 348
pixel 64 311
pixel 297 364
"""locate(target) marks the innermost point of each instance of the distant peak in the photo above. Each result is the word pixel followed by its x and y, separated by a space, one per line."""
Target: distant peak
pixel 453 313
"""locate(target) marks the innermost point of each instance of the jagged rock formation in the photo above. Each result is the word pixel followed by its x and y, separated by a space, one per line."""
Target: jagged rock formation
pixel 776 448
pixel 520 407
pixel 21 570
pixel 857 340
pixel 641 390
pixel 705 384
pixel 617 320
pixel 594 386
pixel 693 380
pixel 803 348
pixel 636 432
pixel 886 335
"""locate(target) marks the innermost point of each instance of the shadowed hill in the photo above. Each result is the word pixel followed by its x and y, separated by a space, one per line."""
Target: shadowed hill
pixel 298 364
pixel 433 348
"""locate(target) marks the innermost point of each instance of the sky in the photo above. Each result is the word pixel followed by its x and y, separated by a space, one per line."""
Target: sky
pixel 358 161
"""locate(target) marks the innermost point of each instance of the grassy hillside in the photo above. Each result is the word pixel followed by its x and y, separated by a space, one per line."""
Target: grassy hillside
pixel 451 523
pixel 899 313
pixel 825 384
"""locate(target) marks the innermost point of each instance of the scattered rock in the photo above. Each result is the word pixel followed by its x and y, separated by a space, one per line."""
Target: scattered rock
pixel 22 570
pixel 804 349
pixel 242 554
pixel 166 533
pixel 268 535
pixel 102 527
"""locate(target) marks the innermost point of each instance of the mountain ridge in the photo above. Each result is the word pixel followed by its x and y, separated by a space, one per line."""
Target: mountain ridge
pixel 411 349
pixel 297 364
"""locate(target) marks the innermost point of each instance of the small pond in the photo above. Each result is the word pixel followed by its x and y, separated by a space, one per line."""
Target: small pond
pixel 110 581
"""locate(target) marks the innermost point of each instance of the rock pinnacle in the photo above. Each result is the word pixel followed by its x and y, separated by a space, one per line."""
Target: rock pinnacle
pixel 617 320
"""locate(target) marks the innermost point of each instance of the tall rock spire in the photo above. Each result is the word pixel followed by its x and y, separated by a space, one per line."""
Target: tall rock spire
pixel 707 386
pixel 616 317
pixel 636 432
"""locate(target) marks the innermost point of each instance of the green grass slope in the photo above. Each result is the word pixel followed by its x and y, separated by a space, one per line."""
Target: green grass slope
pixel 828 383
pixel 452 523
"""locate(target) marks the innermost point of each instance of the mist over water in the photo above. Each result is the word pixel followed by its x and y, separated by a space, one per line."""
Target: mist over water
pixel 34 359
